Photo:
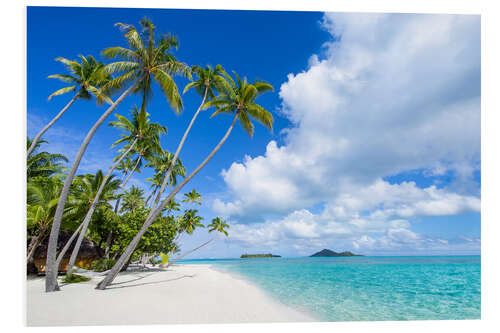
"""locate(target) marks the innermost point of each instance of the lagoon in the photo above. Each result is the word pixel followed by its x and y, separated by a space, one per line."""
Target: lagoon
pixel 367 288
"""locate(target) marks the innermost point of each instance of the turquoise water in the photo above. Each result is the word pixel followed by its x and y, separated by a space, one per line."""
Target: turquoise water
pixel 368 288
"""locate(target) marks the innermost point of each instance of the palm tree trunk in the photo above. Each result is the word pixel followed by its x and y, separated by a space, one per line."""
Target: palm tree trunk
pixel 109 241
pixel 50 266
pixel 52 122
pixel 151 195
pixel 117 205
pixel 133 244
pixel 189 252
pixel 179 147
pixel 124 175
pixel 88 217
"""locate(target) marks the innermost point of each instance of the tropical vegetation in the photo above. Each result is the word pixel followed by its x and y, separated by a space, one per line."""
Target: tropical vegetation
pixel 130 223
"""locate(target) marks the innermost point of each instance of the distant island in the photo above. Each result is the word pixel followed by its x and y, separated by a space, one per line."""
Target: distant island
pixel 330 253
pixel 267 255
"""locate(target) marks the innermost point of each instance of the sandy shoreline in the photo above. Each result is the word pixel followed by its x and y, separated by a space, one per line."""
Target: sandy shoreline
pixel 184 294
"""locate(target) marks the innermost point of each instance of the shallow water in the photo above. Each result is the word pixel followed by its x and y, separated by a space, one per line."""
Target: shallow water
pixel 368 288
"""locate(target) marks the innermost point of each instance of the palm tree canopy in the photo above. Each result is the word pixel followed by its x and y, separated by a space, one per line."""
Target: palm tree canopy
pixel 239 97
pixel 43 164
pixel 147 59
pixel 42 196
pixel 87 77
pixel 126 165
pixel 173 205
pixel 189 221
pixel 139 127
pixel 209 79
pixel 192 196
pixel 218 224
pixel 161 163
pixel 133 200
pixel 156 180
pixel 86 186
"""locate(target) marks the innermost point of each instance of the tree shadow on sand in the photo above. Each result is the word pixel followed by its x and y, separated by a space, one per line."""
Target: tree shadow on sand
pixel 114 285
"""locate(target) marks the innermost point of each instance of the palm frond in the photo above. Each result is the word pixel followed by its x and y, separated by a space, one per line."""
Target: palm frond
pixel 64 77
pixel 169 87
pixel 62 91
pixel 246 123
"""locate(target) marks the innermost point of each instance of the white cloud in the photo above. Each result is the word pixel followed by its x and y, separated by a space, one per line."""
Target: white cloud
pixel 304 233
pixel 393 93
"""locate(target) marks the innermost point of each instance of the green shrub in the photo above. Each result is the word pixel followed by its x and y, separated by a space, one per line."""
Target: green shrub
pixel 74 278
pixel 102 265
pixel 164 258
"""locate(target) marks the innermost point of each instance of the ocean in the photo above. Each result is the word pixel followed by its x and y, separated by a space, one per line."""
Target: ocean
pixel 367 288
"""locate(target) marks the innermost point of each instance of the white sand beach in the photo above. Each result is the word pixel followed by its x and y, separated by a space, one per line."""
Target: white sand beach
pixel 184 294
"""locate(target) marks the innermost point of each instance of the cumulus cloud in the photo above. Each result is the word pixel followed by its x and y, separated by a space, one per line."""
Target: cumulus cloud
pixel 392 93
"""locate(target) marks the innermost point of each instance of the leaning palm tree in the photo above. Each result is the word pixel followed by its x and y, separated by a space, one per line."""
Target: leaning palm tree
pixel 218 224
pixel 193 197
pixel 147 134
pixel 43 164
pixel 96 190
pixel 209 82
pixel 187 223
pixel 86 78
pixel 190 221
pixel 237 98
pixel 142 64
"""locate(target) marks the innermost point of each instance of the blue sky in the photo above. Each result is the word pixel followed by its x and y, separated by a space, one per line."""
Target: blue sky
pixel 376 140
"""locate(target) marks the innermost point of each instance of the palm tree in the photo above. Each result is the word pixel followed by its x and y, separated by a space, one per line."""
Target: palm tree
pixel 95 190
pixel 42 198
pixel 193 197
pixel 155 181
pixel 147 60
pixel 209 81
pixel 86 78
pixel 172 205
pixel 125 166
pixel 162 162
pixel 190 221
pixel 147 134
pixel 43 164
pixel 133 200
pixel 87 186
pixel 187 223
pixel 218 224
pixel 143 63
pixel 235 98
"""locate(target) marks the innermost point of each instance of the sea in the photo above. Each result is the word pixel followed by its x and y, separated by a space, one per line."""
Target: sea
pixel 366 288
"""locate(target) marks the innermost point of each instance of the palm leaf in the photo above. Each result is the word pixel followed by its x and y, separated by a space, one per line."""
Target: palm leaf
pixel 62 91
pixel 169 87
